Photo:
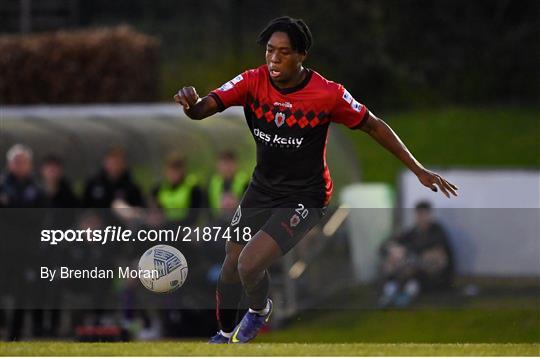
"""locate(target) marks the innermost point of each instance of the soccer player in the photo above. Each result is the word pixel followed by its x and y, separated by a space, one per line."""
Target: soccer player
pixel 288 109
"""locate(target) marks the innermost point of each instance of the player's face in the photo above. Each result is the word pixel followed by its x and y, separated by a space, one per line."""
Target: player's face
pixel 283 62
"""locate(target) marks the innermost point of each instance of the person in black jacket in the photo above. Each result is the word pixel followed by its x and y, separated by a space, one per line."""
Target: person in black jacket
pixel 59 197
pixel 112 183
pixel 114 191
pixel 19 190
pixel 419 259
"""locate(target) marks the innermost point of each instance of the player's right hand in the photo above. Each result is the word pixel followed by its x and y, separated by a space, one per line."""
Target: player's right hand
pixel 186 97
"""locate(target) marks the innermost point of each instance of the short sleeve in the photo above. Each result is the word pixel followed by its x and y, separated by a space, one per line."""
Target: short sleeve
pixel 347 110
pixel 233 92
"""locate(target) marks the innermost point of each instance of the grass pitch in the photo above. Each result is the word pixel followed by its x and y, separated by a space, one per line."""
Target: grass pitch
pixel 263 349
pixel 502 325
pixel 459 332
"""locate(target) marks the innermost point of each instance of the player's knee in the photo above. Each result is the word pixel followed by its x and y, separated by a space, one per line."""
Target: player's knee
pixel 229 269
pixel 248 269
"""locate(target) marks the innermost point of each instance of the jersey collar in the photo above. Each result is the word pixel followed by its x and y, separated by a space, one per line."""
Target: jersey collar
pixel 298 87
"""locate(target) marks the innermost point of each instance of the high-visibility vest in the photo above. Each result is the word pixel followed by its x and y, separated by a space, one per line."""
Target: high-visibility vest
pixel 176 201
pixel 215 189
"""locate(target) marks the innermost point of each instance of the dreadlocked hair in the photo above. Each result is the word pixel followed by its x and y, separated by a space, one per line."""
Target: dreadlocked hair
pixel 296 29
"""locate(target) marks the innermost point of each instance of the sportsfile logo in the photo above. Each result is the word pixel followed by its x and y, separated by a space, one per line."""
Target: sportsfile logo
pixel 275 140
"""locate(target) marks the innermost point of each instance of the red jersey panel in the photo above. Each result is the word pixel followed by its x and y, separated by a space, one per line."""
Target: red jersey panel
pixel 290 128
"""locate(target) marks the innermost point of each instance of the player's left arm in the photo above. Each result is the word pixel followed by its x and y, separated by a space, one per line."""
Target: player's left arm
pixel 384 135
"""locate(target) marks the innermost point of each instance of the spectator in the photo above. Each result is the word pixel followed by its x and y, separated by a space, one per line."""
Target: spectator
pixel 58 195
pixel 112 184
pixel 18 189
pixel 58 191
pixel 179 195
pixel 226 186
pixel 419 259
pixel 93 295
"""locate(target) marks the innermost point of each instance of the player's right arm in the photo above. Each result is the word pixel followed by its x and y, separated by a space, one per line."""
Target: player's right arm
pixel 194 106
pixel 233 93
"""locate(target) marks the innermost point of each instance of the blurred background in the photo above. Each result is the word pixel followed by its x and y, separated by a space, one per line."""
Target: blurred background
pixel 85 93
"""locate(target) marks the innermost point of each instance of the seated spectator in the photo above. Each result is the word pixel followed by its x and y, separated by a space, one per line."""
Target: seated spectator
pixel 419 259
pixel 178 195
pixel 113 183
pixel 58 191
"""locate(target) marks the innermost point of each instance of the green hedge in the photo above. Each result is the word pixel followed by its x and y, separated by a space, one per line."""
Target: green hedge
pixel 100 65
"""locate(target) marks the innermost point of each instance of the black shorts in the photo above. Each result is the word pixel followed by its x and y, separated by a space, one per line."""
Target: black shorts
pixel 286 219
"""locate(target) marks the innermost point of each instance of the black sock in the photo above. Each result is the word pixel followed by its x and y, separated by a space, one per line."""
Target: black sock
pixel 228 296
pixel 258 295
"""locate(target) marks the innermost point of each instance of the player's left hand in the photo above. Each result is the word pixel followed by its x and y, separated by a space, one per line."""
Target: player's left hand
pixel 435 182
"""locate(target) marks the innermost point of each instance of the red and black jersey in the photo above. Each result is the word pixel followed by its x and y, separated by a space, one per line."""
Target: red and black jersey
pixel 290 128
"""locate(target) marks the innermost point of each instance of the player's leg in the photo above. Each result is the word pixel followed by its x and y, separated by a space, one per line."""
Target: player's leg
pixel 228 293
pixel 261 251
pixel 229 288
pixel 283 230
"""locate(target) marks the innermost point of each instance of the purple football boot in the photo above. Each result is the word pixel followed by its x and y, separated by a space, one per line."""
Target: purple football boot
pixel 250 325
